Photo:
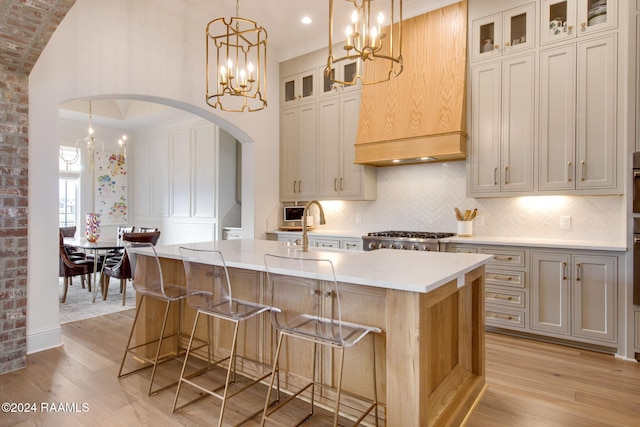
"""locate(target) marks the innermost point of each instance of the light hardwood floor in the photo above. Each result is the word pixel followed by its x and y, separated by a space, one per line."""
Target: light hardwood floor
pixel 530 384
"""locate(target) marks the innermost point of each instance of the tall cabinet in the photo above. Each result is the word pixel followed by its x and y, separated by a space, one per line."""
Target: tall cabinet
pixel 318 128
pixel 544 110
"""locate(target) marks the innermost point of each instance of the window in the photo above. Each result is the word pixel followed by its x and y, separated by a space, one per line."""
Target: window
pixel 68 186
pixel 67 202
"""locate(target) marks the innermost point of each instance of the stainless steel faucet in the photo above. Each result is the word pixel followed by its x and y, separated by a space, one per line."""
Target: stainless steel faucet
pixel 305 238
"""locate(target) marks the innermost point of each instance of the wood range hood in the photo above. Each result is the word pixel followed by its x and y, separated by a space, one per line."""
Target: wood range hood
pixel 420 115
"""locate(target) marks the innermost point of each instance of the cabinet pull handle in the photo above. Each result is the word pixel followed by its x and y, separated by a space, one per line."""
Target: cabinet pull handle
pixel 569 179
pixel 636 174
pixel 578 268
pixel 506 175
pixel 581 170
pixel 328 294
pixel 501 316
pixel 502 258
pixel 564 271
pixel 351 245
pixel 341 184
pixel 636 240
pixel 495 276
pixel 300 186
pixel 504 297
pixel 294 186
pixel 335 184
pixel 495 176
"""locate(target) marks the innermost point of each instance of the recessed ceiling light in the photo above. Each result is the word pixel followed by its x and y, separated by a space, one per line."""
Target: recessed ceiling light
pixel 306 20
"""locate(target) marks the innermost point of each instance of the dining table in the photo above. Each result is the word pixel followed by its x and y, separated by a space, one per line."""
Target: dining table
pixel 96 248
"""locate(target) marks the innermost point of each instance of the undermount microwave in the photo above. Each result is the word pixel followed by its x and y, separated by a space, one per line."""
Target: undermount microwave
pixel 292 214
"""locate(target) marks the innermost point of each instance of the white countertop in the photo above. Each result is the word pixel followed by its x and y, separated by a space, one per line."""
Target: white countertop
pixel 596 245
pixel 391 269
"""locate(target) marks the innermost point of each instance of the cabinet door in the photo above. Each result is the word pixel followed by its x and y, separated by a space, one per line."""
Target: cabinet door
pixel 557 20
pixel 351 180
pixel 298 152
pixel 298 88
pixel 329 145
pixel 487 37
pixel 596 100
pixel 556 165
pixel 517 28
pixel 518 110
pixel 306 151
pixel 288 163
pixel 485 128
pixel 342 71
pixel 596 15
pixel 594 297
pixel 550 306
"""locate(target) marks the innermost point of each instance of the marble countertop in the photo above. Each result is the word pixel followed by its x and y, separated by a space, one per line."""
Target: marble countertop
pixel 400 270
pixel 543 243
pixel 601 245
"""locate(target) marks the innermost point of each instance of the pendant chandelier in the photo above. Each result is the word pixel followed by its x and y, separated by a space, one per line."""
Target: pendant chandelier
pixel 91 141
pixel 371 36
pixel 236 64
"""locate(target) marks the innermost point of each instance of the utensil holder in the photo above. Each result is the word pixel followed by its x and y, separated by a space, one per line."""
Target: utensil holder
pixel 465 228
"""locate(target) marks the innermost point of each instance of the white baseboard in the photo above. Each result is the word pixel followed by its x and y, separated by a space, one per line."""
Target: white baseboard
pixel 44 339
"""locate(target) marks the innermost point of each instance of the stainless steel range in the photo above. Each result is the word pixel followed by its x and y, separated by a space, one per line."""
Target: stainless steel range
pixel 407 240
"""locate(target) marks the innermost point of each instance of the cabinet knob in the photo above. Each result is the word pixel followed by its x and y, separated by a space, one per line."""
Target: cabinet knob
pixel 570 28
pixel 507 44
pixel 496 47
pixel 583 26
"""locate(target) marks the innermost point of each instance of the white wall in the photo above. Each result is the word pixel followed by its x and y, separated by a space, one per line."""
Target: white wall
pixel 144 49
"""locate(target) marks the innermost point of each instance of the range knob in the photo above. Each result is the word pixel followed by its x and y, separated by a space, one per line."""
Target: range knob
pixel 372 245
pixel 392 245
pixel 381 246
pixel 415 247
pixel 403 246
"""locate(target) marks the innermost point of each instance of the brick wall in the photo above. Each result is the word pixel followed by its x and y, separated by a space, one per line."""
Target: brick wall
pixel 25 28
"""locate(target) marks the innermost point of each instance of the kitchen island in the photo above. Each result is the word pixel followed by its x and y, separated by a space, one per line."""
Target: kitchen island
pixel 429 306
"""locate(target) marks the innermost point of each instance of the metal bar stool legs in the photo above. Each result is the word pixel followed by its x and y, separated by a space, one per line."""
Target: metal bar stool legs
pixel 153 363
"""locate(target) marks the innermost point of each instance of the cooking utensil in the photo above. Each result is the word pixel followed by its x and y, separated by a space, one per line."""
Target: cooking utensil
pixel 466 215
pixel 473 214
pixel 458 214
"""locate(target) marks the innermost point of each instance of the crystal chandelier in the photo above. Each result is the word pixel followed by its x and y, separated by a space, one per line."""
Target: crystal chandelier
pixel 236 64
pixel 369 37
pixel 91 142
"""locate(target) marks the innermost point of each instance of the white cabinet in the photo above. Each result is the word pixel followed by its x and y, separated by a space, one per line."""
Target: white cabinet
pixel 298 136
pixel 578 84
pixel 503 33
pixel 503 117
pixel 342 71
pixel 574 295
pixel 339 177
pixel 566 19
pixel 298 88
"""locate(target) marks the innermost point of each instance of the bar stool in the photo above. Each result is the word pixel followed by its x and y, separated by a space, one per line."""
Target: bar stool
pixel 149 283
pixel 209 291
pixel 313 317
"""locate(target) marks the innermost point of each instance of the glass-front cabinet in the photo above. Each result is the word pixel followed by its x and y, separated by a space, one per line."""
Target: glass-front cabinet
pixel 503 33
pixel 298 88
pixel 343 71
pixel 564 19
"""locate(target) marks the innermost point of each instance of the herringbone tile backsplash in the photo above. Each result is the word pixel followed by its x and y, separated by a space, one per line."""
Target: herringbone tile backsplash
pixel 422 197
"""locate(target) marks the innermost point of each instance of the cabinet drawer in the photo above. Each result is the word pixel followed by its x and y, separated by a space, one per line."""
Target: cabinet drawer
pixel 503 257
pixel 464 249
pixel 326 243
pixel 504 318
pixel 505 297
pixel 514 279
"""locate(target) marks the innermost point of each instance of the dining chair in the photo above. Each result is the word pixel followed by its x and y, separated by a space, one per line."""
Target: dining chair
pixel 149 283
pixel 308 309
pixel 211 294
pixel 118 266
pixel 70 267
pixel 148 229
